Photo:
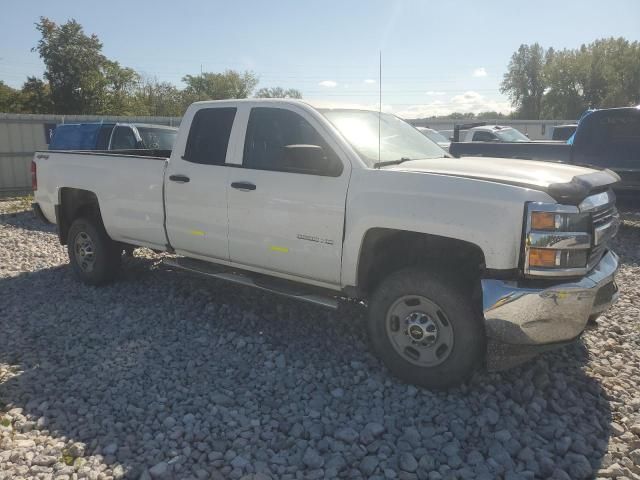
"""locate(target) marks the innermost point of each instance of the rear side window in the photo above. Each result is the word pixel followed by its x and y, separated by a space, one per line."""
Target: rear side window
pixel 482 137
pixel 281 140
pixel 123 139
pixel 209 136
pixel 157 138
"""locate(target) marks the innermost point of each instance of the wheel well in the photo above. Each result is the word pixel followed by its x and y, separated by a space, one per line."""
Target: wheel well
pixel 74 203
pixel 385 251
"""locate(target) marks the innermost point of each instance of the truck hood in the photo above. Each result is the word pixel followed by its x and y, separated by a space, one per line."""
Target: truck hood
pixel 565 183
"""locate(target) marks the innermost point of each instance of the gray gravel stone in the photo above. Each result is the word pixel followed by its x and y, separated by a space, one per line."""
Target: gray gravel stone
pixel 347 435
pixel 407 462
pixel 312 459
pixel 159 470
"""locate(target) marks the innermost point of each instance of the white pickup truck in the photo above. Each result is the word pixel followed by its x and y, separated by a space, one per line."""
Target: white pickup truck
pixel 462 262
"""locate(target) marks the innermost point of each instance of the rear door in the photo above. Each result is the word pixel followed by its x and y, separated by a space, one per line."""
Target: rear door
pixel 196 186
pixel 287 201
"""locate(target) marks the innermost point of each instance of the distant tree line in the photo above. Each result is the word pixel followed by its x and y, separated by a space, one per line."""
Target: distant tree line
pixel 561 84
pixel 79 79
pixel 470 116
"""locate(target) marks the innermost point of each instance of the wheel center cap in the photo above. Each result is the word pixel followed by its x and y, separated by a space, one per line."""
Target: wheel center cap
pixel 421 328
pixel 416 332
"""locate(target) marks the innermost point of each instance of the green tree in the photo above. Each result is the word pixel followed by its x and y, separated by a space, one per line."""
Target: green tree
pixel 81 79
pixel 489 115
pixel 564 92
pixel 219 86
pixel 8 98
pixel 278 92
pixel 159 99
pixel 524 81
pixel 35 97
pixel 602 74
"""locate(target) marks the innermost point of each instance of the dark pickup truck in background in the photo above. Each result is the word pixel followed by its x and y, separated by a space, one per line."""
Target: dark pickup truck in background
pixel 608 138
pixel 112 136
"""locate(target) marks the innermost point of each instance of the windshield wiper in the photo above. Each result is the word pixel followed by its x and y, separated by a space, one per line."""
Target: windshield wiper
pixel 393 162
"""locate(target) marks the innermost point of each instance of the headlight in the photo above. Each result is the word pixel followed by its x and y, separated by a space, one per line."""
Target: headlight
pixel 557 240
pixel 566 240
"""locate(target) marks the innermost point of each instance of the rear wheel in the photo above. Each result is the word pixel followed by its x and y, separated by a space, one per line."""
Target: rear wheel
pixel 95 258
pixel 424 327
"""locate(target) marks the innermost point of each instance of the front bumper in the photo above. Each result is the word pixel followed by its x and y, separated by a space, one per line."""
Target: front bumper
pixel 520 315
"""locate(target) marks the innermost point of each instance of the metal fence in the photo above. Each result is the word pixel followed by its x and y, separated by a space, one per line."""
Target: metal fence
pixel 21 135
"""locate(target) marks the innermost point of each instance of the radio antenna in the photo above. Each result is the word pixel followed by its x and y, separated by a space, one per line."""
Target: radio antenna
pixel 379 105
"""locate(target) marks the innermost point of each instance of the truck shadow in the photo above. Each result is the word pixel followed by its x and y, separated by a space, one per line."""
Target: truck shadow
pixel 162 366
pixel 27 220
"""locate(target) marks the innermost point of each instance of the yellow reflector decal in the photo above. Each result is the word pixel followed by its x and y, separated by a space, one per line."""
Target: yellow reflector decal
pixel 275 248
pixel 197 233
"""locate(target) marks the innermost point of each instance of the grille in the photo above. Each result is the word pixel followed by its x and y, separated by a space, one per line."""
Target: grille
pixel 600 217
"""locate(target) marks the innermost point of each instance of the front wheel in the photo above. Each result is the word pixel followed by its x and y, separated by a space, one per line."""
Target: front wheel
pixel 425 329
pixel 95 258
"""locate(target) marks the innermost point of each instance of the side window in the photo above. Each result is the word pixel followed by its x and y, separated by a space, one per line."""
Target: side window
pixel 123 139
pixel 209 136
pixel 103 137
pixel 483 136
pixel 281 140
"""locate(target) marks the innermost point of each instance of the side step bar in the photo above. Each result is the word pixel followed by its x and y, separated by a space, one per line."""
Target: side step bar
pixel 262 282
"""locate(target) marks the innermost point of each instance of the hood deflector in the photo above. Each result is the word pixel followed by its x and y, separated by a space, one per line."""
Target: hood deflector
pixel 580 186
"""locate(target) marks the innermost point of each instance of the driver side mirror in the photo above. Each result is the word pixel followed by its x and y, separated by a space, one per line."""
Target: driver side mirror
pixel 311 159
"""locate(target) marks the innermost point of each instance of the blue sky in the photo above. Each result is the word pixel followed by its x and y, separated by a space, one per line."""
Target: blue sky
pixel 438 57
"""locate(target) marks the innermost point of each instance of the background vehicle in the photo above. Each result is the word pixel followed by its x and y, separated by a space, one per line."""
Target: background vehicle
pixel 460 261
pixel 448 134
pixel 481 132
pixel 563 132
pixel 608 138
pixel 435 136
pixel 112 136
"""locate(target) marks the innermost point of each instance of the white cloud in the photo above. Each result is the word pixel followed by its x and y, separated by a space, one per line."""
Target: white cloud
pixel 328 83
pixel 466 102
pixel 432 93
pixel 480 72
pixel 369 80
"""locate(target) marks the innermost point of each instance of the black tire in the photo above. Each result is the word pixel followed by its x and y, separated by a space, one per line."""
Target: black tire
pixel 464 328
pixel 106 254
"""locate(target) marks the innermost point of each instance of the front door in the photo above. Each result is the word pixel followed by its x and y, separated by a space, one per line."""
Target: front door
pixel 196 187
pixel 287 202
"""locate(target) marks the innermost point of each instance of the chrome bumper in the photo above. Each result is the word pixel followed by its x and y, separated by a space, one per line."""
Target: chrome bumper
pixel 520 315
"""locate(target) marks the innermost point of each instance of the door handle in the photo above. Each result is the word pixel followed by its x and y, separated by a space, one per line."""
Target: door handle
pixel 179 178
pixel 244 186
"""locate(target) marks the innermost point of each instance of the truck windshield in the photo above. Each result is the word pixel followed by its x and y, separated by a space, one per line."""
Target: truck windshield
pixel 398 139
pixel 511 135
pixel 157 138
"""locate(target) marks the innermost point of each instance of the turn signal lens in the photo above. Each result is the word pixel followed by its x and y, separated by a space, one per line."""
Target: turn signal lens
pixel 545 221
pixel 544 257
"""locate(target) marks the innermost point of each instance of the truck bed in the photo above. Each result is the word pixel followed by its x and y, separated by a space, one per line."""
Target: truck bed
pixel 128 184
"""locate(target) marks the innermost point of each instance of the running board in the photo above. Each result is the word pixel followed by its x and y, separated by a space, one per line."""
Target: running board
pixel 261 282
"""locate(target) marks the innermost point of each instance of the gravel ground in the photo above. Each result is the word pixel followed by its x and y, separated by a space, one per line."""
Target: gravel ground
pixel 165 375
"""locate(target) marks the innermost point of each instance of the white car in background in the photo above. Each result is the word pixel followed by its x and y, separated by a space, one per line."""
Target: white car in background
pixel 435 137
pixel 492 133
